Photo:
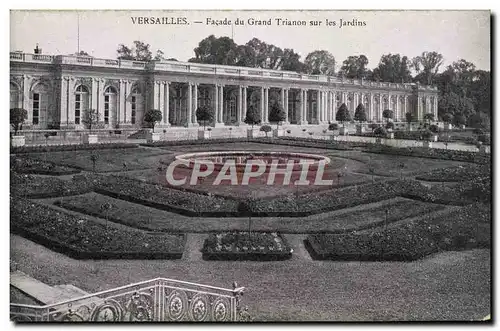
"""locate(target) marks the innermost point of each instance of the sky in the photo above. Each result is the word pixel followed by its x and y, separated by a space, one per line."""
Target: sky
pixel 454 34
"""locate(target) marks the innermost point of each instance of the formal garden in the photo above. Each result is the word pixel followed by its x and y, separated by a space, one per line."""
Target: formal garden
pixel 112 202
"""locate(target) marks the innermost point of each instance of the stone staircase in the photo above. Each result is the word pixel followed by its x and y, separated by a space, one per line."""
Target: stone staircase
pixel 42 292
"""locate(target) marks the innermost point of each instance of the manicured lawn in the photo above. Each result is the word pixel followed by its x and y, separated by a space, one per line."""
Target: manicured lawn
pixel 389 165
pixel 139 216
pixel 108 160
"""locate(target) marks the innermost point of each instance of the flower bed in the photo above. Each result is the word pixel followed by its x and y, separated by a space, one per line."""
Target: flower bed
pixel 34 187
pixel 39 167
pixel 162 197
pixel 82 238
pixel 463 229
pixel 76 147
pixel 259 246
pixel 456 174
pixel 433 153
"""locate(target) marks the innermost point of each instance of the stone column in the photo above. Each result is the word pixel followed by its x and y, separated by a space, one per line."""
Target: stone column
pixel 216 103
pixel 219 106
pixel 128 106
pixel 244 103
pixel 303 115
pixel 189 119
pixel 419 108
pixel 282 97
pixel 161 97
pixel 195 103
pixel 100 100
pixel 285 106
pixel 436 107
pixel 63 106
pixel 166 102
pixel 71 102
pixel 398 110
pixel 262 101
pixel 325 106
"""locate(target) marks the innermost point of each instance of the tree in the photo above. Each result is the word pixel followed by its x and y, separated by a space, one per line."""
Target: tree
pixel 206 114
pixel 266 129
pixel 447 118
pixel 428 63
pixel 17 118
pixel 90 118
pixel 393 68
pixel 139 52
pixel 429 117
pixel 387 114
pixel 380 132
pixel 246 208
pixel 152 116
pixel 459 119
pixel 409 118
pixel 360 113
pixel 354 67
pixel 276 113
pixel 320 62
pixel 333 127
pixel 213 50
pixel 253 116
pixel 343 114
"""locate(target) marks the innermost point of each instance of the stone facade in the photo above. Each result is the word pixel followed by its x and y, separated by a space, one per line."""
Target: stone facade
pixel 57 90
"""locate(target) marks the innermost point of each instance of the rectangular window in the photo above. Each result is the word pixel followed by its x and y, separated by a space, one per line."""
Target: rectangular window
pixel 78 107
pixel 36 109
pixel 133 110
pixel 106 109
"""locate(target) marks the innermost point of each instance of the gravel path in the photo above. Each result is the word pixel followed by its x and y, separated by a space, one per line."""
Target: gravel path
pixel 447 286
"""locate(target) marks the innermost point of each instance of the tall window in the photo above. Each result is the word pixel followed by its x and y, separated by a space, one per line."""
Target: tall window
pixel 81 102
pixel 39 105
pixel 36 108
pixel 14 96
pixel 109 104
pixel 136 102
pixel 134 109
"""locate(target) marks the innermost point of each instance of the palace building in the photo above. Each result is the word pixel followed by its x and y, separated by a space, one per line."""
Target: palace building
pixel 56 90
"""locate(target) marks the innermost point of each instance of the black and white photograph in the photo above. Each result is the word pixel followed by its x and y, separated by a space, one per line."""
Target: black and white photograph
pixel 250 166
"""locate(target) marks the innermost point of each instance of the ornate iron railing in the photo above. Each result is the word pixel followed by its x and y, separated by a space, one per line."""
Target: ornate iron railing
pixel 157 300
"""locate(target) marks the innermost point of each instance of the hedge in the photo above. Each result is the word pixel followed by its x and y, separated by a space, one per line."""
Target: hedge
pixel 83 238
pixel 467 228
pixel 75 147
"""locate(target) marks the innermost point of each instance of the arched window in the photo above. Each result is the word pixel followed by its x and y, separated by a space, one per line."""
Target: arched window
pixel 81 102
pixel 109 104
pixel 14 96
pixel 136 102
pixel 39 104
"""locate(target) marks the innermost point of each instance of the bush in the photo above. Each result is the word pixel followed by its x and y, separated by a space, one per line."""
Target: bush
pixel 427 134
pixel 17 118
pixel 333 127
pixel 484 138
pixel 373 126
pixel 266 129
pixel 389 125
pixel 461 229
pixel 380 132
pixel 152 116
pixel 205 114
pixel 82 238
pixel 434 128
pixel 259 246
pixel 32 166
pixel 62 148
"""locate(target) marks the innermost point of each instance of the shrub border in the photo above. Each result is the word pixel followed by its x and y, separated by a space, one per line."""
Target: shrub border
pixel 76 253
